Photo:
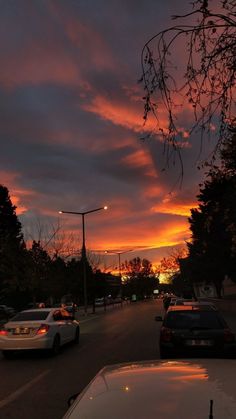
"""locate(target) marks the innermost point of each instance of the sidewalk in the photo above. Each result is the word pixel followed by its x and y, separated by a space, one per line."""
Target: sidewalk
pixel 80 314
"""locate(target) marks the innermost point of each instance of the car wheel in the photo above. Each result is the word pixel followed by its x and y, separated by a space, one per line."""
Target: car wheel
pixel 8 354
pixel 77 336
pixel 56 345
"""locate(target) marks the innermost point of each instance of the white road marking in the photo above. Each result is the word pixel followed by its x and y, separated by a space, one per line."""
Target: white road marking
pixel 22 389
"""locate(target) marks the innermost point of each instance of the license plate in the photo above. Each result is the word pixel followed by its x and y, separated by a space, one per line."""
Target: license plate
pixel 21 331
pixel 199 342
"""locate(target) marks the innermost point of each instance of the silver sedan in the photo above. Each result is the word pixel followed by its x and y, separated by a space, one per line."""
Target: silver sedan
pixel 46 328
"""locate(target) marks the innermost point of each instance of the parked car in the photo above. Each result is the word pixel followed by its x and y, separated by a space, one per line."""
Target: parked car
pixel 187 302
pixel 182 301
pixel 46 328
pixel 99 302
pixel 193 330
pixel 159 389
pixel 35 305
pixel 70 307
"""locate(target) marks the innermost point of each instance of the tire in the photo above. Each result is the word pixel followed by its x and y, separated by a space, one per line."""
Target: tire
pixel 56 346
pixel 77 336
pixel 8 354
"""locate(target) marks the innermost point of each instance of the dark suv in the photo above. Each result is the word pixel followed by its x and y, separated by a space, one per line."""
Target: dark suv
pixel 195 330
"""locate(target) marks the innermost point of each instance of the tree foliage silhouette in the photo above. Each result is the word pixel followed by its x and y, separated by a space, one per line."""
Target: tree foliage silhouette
pixel 12 246
pixel 212 251
pixel 204 83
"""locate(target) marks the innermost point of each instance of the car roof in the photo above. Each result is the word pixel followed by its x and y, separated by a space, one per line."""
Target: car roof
pixel 159 389
pixel 41 309
pixel 192 307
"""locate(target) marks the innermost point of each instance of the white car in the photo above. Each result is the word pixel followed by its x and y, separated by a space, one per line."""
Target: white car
pixel 195 389
pixel 45 328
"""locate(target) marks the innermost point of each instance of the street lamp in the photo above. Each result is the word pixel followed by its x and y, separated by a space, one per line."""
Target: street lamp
pixel 83 250
pixel 112 252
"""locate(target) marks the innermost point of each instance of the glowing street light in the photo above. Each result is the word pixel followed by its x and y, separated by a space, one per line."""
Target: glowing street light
pixel 83 251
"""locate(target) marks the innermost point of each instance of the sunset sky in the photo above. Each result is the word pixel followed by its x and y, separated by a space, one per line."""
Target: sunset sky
pixel 71 124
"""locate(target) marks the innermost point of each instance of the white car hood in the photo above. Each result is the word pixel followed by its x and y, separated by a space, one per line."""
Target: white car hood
pixel 160 390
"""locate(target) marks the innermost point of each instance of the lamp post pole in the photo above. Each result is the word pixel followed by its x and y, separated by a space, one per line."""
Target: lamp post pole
pixel 83 250
pixel 111 252
pixel 119 253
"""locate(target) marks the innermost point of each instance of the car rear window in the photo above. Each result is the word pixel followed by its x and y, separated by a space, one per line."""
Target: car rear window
pixel 31 315
pixel 192 319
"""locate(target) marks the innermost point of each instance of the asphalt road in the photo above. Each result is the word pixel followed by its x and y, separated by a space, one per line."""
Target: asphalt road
pixel 36 386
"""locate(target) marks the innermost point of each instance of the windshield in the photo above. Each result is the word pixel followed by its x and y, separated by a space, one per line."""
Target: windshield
pixel 191 319
pixel 31 315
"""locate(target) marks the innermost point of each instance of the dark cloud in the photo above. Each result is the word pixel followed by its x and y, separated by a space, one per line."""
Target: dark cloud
pixel 71 118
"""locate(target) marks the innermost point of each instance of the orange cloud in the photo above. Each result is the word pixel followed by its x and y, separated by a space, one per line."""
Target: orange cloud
pixel 175 209
pixel 140 158
pixel 40 65
pixel 118 114
pixel 152 237
pixel 97 52
pixel 153 191
pixel 128 116
pixel 175 204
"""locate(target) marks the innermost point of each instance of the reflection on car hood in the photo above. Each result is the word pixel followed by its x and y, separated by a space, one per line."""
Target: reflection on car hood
pixel 160 389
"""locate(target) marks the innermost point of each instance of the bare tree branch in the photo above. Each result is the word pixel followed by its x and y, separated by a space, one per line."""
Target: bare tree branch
pixel 206 84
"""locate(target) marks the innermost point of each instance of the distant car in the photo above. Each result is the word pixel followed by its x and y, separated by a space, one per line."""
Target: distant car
pixel 70 307
pixel 45 328
pixel 99 302
pixel 195 330
pixel 194 389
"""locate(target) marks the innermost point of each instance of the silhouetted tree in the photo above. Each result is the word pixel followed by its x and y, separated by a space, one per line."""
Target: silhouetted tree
pixel 169 265
pixel 103 283
pixel 38 272
pixel 212 251
pixel 205 81
pixel 12 248
pixel 57 284
pixel 141 279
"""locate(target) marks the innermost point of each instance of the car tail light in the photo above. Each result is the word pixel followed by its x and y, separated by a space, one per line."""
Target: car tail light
pixel 3 332
pixel 166 334
pixel 228 336
pixel 44 328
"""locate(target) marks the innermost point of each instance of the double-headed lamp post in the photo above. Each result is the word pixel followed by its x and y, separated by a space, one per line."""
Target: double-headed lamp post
pixel 83 250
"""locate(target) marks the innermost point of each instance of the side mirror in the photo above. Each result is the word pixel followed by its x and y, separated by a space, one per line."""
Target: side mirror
pixel 158 319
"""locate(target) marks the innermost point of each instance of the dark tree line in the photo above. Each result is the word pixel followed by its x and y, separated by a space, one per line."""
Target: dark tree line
pixel 32 275
pixel 212 250
pixel 140 278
